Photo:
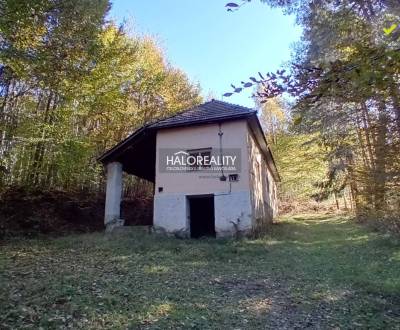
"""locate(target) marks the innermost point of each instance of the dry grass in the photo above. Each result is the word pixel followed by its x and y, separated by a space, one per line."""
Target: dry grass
pixel 311 271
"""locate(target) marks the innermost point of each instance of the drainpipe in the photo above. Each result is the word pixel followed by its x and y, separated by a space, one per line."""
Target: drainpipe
pixel 220 134
pixel 222 177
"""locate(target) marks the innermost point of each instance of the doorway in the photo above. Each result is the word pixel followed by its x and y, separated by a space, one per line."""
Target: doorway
pixel 201 215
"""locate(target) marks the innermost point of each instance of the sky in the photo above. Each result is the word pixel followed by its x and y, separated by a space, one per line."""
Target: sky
pixel 214 47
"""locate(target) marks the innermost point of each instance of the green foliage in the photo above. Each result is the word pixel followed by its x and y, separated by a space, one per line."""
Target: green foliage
pixel 351 100
pixel 345 78
pixel 273 118
pixel 301 163
pixel 71 86
pixel 300 157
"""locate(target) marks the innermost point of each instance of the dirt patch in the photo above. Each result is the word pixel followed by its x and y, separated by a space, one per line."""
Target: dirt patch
pixel 273 302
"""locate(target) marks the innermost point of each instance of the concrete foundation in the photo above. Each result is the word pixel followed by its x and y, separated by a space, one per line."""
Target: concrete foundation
pixel 113 196
pixel 233 214
pixel 170 213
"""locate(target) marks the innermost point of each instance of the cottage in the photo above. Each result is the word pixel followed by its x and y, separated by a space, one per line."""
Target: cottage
pixel 212 169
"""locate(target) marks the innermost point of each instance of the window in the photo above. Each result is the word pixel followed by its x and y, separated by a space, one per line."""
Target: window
pixel 198 159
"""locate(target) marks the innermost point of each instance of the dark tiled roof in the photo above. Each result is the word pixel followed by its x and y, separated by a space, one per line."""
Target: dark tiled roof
pixel 209 111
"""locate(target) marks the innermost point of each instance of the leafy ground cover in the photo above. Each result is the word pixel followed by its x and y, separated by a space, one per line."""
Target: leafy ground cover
pixel 318 271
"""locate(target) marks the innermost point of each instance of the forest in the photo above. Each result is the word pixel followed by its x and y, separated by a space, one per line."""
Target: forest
pixel 342 126
pixel 73 83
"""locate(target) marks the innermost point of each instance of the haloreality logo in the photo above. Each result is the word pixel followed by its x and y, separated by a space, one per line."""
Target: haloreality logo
pixel 204 160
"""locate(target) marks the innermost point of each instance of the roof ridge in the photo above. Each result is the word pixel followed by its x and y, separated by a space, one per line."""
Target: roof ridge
pixel 211 109
pixel 175 114
pixel 235 105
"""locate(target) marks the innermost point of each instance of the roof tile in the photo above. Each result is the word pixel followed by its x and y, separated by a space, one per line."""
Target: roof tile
pixel 212 110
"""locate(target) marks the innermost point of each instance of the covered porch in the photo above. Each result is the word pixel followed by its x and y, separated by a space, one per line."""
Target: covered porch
pixel 136 156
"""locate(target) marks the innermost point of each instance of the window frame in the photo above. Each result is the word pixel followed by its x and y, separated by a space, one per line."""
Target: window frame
pixel 198 152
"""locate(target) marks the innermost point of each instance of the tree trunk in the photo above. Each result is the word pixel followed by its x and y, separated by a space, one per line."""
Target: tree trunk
pixel 336 200
pixel 381 154
pixel 367 129
pixel 366 160
pixel 40 146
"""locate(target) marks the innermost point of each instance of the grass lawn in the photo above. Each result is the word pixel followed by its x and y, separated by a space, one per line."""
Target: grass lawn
pixel 316 271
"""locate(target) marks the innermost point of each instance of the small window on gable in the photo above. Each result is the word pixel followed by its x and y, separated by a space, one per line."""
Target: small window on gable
pixel 202 159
